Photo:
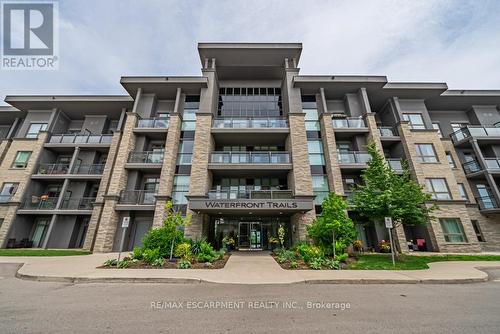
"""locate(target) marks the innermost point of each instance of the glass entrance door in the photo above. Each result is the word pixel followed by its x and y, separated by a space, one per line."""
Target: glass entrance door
pixel 250 235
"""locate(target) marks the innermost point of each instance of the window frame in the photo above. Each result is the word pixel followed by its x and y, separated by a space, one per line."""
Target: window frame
pixel 424 158
pixel 462 191
pixel 451 160
pixel 19 164
pixel 13 189
pixel 447 234
pixel 414 126
pixel 34 135
pixel 436 194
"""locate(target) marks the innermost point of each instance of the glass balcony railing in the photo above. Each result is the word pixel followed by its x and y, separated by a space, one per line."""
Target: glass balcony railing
pixel 387 131
pixel 49 169
pixel 138 197
pixel 81 139
pixel 153 123
pixel 94 169
pixel 39 203
pixel 492 164
pixel 396 164
pixel 354 157
pixel 355 123
pixel 272 157
pixel 471 167
pixel 475 131
pixel 250 194
pixel 487 202
pixel 147 157
pixel 83 203
pixel 250 123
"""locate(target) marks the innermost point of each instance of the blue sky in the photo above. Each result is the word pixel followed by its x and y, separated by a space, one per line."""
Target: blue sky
pixel 457 42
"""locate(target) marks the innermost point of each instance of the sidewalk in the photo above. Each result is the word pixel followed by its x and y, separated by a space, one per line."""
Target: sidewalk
pixel 241 268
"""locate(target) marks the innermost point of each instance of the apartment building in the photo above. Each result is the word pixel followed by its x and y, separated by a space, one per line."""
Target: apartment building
pixel 246 147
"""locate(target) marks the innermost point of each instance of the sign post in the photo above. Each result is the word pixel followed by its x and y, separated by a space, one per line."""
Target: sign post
pixel 125 224
pixel 389 226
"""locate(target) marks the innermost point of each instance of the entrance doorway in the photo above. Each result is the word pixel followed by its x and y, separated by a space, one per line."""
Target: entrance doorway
pixel 250 235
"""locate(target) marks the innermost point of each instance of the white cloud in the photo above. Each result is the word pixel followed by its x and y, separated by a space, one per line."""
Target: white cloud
pixel 447 41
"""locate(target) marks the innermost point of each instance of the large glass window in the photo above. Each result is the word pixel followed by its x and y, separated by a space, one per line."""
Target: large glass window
pixel 311 120
pixel 452 230
pixel 35 128
pixel 450 160
pixel 189 120
pixel 316 156
pixel 426 153
pixel 416 121
pixel 180 190
pixel 21 160
pixel 185 155
pixel 320 188
pixel 463 193
pixel 8 190
pixel 438 189
pixel 249 102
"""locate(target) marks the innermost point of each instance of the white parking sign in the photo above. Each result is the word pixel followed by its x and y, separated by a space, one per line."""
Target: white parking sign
pixel 388 222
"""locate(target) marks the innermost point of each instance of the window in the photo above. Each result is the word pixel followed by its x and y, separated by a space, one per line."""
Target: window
pixel 320 188
pixel 450 160
pixel 477 230
pixel 316 156
pixel 452 230
pixel 416 121
pixel 185 155
pixel 35 128
pixel 436 127
pixel 188 120
pixel 21 160
pixel 426 153
pixel 438 189
pixel 463 193
pixel 8 190
pixel 1 222
pixel 311 120
pixel 180 190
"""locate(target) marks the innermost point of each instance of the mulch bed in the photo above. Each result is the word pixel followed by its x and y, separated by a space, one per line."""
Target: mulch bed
pixel 303 266
pixel 219 264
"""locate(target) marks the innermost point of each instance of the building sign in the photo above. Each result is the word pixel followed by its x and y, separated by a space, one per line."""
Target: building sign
pixel 278 205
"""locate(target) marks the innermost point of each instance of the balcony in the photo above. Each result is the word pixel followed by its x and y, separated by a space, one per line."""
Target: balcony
pixel 487 203
pixel 353 159
pixel 39 204
pixel 85 140
pixel 84 203
pixel 152 127
pixel 396 164
pixel 250 123
pixel 490 133
pixel 57 171
pixel 146 160
pixel 250 194
pixel 349 123
pixel 272 160
pixel 145 198
pixel 472 167
pixel 492 164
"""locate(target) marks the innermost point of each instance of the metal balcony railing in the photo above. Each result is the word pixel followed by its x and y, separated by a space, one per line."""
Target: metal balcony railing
pixel 153 123
pixel 271 157
pixel 387 131
pixel 146 157
pixel 487 202
pixel 354 157
pixel 49 169
pixel 475 131
pixel 138 197
pixel 39 203
pixel 94 169
pixel 83 203
pixel 81 139
pixel 250 194
pixel 350 122
pixel 471 167
pixel 250 123
pixel 395 163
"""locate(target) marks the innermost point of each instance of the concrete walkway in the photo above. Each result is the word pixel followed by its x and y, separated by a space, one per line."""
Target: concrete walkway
pixel 241 268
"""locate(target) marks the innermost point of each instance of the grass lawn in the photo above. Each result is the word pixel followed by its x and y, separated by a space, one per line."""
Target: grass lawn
pixel 41 252
pixel 408 262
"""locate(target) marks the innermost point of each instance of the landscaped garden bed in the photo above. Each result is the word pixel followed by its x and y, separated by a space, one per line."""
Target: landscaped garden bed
pixel 170 264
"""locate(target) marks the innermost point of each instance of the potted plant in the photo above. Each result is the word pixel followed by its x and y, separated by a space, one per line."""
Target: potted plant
pixel 228 242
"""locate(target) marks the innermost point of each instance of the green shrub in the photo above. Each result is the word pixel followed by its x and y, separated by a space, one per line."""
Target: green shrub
pixel 308 252
pixel 331 264
pixel 316 263
pixel 285 256
pixel 110 263
pixel 136 253
pixel 183 264
pixel 207 253
pixel 158 262
pixel 342 257
pixel 294 264
pixel 151 255
pixel 196 245
pixel 161 238
pixel 183 251
pixel 123 264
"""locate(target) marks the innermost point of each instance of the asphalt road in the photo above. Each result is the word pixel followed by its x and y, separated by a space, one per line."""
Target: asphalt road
pixel 35 307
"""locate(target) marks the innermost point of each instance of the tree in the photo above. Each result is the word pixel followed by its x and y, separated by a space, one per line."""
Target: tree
pixel 387 194
pixel 333 228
